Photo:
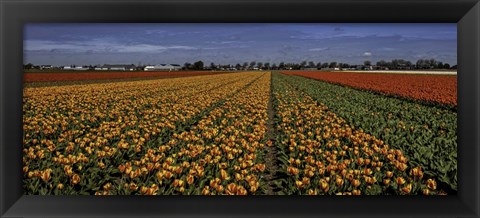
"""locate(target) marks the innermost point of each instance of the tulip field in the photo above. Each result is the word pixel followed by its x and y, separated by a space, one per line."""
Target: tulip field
pixel 92 75
pixel 242 133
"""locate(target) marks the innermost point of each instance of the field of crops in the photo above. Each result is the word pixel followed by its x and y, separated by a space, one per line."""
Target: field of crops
pixel 96 75
pixel 235 134
pixel 428 88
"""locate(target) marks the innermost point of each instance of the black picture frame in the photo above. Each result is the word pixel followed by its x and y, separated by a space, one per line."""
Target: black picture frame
pixel 14 14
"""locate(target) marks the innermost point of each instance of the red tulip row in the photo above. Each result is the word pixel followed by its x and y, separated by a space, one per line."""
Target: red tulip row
pixel 76 76
pixel 429 88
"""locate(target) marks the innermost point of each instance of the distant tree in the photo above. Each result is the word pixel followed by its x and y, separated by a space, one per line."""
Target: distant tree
pixel 303 64
pixel 399 64
pixel 274 66
pixel 453 67
pixel 267 65
pixel 367 63
pixel 259 65
pixel 311 64
pixel 381 63
pixel 395 63
pixel 28 66
pixel 439 65
pixel 333 64
pixel 238 66
pixel 198 65
pixel 319 65
pixel 252 64
pixel 245 65
pixel 288 65
pixel 408 64
pixel 433 63
pixel 212 66
pixel 446 66
pixel 420 64
pixel 281 66
pixel 296 66
pixel 426 63
pixel 325 65
pixel 187 66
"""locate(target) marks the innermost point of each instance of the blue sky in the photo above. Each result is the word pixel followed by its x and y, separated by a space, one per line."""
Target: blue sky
pixel 85 44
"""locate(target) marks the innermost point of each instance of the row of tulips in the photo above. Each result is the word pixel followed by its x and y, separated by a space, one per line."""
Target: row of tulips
pixel 76 137
pixel 323 154
pixel 221 154
pixel 426 134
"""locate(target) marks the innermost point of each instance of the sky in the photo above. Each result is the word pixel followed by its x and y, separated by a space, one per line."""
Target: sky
pixel 96 44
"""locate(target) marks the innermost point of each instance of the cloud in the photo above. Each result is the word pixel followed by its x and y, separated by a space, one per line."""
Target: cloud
pixel 146 48
pixel 228 43
pixel 388 49
pixel 97 46
pixel 149 32
pixel 318 49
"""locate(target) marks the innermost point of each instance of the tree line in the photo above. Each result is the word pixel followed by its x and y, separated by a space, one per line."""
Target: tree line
pixel 395 64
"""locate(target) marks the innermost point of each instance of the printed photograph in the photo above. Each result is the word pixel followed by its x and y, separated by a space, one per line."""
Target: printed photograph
pixel 240 109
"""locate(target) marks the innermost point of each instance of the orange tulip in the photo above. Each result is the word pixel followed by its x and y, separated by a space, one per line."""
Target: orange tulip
pixel 389 174
pixel 407 189
pixel 356 183
pixel 206 190
pixel 356 192
pixel 190 179
pixel 293 170
pixel 400 180
pixel 231 189
pixel 431 184
pixel 75 179
pixel 426 191
pixel 45 176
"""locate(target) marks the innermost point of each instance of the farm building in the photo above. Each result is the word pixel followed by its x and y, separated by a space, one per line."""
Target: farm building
pixel 100 68
pixel 46 67
pixel 168 67
pixel 119 67
pixel 330 68
pixel 363 67
pixel 75 68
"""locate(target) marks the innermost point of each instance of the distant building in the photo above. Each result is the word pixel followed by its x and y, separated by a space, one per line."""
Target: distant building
pixel 81 68
pixel 118 67
pixel 163 67
pixel 363 67
pixel 100 68
pixel 330 68
pixel 46 67
pixel 75 68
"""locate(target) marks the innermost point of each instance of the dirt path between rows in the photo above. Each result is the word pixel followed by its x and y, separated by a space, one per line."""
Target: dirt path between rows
pixel 271 161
